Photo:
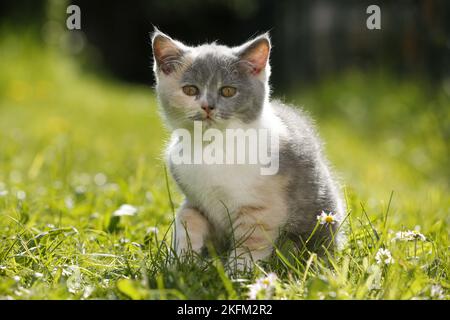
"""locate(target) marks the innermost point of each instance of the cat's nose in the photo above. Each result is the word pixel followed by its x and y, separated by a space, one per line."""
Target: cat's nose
pixel 207 108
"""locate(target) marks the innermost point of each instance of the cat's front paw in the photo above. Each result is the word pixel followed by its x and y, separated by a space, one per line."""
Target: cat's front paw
pixel 191 228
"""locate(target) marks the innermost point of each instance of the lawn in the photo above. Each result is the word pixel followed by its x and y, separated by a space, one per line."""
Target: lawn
pixel 76 146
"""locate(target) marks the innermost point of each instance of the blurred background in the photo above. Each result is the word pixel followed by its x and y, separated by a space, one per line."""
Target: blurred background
pixel 80 136
pixel 74 104
pixel 312 39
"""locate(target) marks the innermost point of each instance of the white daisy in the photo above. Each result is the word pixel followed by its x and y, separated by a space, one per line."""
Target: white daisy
pixel 410 235
pixel 100 179
pixel 326 218
pixel 254 290
pixel 125 210
pixel 437 292
pixel 69 202
pixel 264 286
pixel 80 189
pixel 384 256
pixel 21 195
pixel 152 230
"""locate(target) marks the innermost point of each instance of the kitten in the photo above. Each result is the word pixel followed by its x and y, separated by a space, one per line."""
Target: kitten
pixel 226 88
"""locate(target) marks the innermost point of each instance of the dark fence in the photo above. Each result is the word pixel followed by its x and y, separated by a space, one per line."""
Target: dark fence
pixel 311 39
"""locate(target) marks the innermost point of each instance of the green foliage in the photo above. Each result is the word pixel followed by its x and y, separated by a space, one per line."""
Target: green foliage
pixel 74 148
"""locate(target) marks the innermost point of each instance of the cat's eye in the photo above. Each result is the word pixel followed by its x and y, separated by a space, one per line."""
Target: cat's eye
pixel 190 90
pixel 228 92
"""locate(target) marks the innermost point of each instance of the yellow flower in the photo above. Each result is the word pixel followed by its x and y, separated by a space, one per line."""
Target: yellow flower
pixel 327 218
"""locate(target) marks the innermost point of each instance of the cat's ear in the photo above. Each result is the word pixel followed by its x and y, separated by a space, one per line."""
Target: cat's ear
pixel 166 52
pixel 255 53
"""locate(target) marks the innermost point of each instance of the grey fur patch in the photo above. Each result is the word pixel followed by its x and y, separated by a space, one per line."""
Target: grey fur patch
pixel 211 71
pixel 312 187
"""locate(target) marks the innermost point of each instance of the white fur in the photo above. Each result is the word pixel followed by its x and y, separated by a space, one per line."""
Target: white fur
pixel 233 185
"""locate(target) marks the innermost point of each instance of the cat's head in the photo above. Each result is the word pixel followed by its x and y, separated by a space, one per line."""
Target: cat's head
pixel 211 83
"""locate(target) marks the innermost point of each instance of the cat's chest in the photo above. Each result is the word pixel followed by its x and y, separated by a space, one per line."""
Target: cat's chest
pixel 219 190
pixel 230 184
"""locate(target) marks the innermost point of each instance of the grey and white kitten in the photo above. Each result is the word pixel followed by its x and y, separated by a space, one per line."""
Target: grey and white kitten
pixel 228 87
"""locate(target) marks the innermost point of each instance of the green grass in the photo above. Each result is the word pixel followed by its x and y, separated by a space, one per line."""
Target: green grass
pixel 63 130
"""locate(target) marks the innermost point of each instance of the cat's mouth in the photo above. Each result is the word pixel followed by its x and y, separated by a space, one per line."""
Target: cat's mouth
pixel 208 122
pixel 205 118
pixel 208 117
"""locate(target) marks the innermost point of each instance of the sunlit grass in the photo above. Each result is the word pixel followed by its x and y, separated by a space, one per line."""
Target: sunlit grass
pixel 74 148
